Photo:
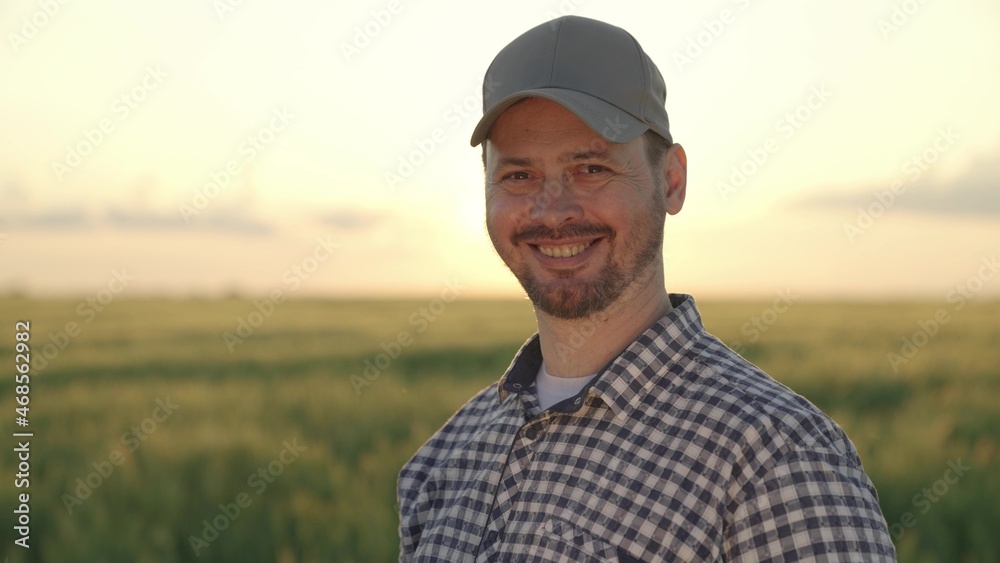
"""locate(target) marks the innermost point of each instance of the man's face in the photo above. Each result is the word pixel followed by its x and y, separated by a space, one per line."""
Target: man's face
pixel 577 219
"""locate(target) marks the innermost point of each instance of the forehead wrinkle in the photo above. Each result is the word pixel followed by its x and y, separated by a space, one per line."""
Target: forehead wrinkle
pixel 585 155
pixel 515 161
pixel 575 156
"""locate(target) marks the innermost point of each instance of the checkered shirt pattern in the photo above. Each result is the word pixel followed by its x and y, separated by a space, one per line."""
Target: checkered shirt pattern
pixel 680 450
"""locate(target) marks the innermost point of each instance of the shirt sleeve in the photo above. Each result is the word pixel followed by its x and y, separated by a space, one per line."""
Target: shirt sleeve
pixel 410 519
pixel 808 505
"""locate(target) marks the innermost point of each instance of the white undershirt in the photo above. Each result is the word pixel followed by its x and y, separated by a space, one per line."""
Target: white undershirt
pixel 552 389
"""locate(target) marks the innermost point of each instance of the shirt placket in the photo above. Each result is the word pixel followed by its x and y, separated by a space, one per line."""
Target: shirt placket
pixel 514 474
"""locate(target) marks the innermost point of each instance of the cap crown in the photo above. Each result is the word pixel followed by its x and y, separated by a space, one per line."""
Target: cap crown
pixel 574 61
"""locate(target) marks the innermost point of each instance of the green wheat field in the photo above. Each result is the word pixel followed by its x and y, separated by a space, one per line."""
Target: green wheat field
pixel 154 442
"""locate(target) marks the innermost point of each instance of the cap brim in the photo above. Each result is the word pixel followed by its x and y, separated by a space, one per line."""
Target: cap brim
pixel 607 120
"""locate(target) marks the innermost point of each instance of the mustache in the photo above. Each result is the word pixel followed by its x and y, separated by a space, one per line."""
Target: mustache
pixel 569 231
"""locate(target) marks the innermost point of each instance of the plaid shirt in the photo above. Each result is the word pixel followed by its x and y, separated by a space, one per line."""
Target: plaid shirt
pixel 680 450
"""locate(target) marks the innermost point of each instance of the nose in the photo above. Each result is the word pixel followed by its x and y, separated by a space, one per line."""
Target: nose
pixel 556 204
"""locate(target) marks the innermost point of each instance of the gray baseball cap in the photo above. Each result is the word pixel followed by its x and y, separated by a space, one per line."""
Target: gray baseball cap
pixel 594 69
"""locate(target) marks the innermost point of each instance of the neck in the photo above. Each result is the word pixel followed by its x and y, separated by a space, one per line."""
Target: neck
pixel 580 347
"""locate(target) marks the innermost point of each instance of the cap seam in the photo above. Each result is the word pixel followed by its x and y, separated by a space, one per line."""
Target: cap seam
pixel 555 53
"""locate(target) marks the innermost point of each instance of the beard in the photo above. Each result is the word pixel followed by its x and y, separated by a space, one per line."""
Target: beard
pixel 571 297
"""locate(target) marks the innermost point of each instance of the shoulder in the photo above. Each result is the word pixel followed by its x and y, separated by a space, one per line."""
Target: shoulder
pixel 766 417
pixel 791 464
pixel 459 430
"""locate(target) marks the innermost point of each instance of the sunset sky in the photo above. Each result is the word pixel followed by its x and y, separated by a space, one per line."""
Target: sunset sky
pixel 339 136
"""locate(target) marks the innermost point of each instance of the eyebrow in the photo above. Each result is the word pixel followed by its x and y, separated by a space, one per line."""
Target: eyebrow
pixel 585 155
pixel 514 161
pixel 570 157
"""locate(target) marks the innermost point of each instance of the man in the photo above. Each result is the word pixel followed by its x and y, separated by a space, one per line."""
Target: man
pixel 622 431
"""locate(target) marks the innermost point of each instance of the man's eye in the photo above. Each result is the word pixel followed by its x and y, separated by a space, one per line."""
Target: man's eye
pixel 516 176
pixel 594 169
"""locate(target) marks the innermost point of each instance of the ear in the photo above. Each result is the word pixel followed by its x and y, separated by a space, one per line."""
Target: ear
pixel 674 170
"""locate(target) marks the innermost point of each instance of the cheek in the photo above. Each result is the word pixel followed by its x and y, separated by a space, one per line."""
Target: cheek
pixel 613 212
pixel 502 215
pixel 493 218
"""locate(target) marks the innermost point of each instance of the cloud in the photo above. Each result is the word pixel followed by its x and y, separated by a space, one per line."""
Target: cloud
pixel 55 219
pixel 13 193
pixel 974 193
pixel 233 221
pixel 351 220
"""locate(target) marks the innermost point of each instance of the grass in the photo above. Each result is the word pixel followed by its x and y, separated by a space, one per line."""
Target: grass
pixel 291 381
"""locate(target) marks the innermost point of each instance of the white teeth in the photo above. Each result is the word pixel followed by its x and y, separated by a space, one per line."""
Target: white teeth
pixel 563 251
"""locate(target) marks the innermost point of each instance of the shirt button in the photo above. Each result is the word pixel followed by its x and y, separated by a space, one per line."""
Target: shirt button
pixel 531 432
pixel 492 536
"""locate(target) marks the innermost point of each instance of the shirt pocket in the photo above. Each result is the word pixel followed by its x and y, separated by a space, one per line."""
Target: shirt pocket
pixel 563 541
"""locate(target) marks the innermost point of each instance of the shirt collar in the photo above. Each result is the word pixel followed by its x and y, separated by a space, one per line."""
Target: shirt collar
pixel 622 383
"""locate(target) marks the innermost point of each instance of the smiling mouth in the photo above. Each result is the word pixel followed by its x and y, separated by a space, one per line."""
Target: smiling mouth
pixel 564 251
